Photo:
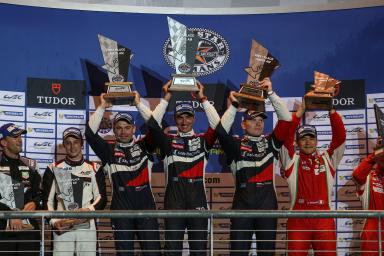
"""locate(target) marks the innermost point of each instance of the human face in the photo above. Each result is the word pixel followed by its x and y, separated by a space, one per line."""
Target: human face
pixel 124 131
pixel 184 122
pixel 307 144
pixel 73 148
pixel 12 146
pixel 253 127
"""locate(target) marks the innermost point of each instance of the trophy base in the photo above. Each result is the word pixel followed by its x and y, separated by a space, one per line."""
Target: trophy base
pixel 120 98
pixel 71 224
pixel 318 101
pixel 183 83
pixel 250 102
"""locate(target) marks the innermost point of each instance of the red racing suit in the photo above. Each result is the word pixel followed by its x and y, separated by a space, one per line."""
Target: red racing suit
pixel 370 180
pixel 310 179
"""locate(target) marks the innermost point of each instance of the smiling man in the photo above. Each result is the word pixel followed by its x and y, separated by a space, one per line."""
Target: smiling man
pixel 251 161
pixel 19 191
pixel 184 156
pixel 310 175
pixel 74 184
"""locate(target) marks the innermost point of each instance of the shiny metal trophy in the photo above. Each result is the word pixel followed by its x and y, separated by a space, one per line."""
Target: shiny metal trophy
pixel 117 59
pixel 320 97
pixel 12 195
pixel 70 190
pixel 261 65
pixel 379 149
pixel 184 47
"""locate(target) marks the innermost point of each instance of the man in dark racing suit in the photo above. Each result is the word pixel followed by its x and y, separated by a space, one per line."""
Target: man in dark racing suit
pixel 251 161
pixel 128 163
pixel 184 156
pixel 19 191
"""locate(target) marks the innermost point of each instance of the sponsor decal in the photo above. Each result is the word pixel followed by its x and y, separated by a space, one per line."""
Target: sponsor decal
pixel 12 98
pixel 42 145
pixel 11 113
pixel 212 52
pixel 40 130
pixel 69 116
pixel 55 93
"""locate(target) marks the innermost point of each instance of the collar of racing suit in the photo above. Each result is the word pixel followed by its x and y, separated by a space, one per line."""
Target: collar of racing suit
pixel 125 145
pixel 186 134
pixel 308 156
pixel 74 163
pixel 254 138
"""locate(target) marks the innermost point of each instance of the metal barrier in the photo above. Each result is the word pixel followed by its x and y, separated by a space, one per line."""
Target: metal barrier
pixel 209 214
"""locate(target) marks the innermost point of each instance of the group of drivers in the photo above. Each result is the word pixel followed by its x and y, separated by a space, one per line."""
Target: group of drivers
pixel 310 175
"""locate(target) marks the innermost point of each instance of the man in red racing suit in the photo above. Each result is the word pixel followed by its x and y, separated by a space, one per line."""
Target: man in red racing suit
pixel 369 177
pixel 310 175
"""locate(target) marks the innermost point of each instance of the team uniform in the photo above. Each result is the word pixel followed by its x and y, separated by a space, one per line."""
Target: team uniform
pixel 370 180
pixel 22 177
pixel 310 179
pixel 87 189
pixel 184 157
pixel 129 169
pixel 251 161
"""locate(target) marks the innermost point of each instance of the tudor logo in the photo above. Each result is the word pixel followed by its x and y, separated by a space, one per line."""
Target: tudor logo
pixel 56 88
pixel 212 52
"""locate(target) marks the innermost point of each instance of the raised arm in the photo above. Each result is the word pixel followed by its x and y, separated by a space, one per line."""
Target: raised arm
pixel 98 144
pixel 227 142
pixel 337 146
pixel 363 169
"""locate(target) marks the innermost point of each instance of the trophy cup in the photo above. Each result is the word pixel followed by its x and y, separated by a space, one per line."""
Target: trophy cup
pixel 379 149
pixel 12 195
pixel 261 65
pixel 184 46
pixel 70 190
pixel 321 95
pixel 117 59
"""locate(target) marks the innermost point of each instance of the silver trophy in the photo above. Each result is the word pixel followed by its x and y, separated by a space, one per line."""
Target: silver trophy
pixel 70 190
pixel 184 47
pixel 117 59
pixel 12 195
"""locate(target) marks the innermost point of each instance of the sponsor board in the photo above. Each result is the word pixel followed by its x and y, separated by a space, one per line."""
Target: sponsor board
pixel 71 116
pixel 12 113
pixel 349 162
pixel 348 240
pixel 357 131
pixel 40 145
pixel 347 193
pixel 344 177
pixel 349 205
pixel 41 130
pixel 41 115
pixel 55 93
pixel 43 160
pixel 375 98
pixel 11 98
pixel 371 118
pixel 322 117
pixel 351 146
pixel 372 131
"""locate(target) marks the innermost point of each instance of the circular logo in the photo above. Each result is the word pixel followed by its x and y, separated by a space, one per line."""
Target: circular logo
pixel 212 52
pixel 72 206
pixel 184 68
pixel 117 78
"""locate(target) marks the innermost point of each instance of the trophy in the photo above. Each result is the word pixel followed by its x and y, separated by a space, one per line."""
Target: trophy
pixel 261 65
pixel 12 195
pixel 117 59
pixel 70 190
pixel 184 46
pixel 379 149
pixel 320 96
